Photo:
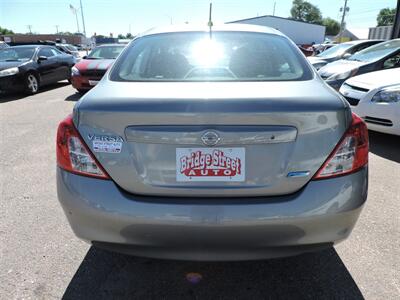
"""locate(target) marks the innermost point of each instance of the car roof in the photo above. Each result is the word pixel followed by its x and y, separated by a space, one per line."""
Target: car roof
pixel 219 27
pixel 361 41
pixel 28 46
pixel 112 45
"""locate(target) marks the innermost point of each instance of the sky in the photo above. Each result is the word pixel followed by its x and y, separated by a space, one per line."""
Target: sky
pixel 123 16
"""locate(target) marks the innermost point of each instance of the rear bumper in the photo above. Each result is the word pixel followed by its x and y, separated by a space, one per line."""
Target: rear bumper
pixel 321 214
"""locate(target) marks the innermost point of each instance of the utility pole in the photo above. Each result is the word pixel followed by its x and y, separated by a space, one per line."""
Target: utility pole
pixel 83 19
pixel 30 28
pixel 345 10
pixel 56 28
pixel 273 12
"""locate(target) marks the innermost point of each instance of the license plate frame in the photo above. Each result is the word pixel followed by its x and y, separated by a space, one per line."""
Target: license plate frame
pixel 93 82
pixel 210 164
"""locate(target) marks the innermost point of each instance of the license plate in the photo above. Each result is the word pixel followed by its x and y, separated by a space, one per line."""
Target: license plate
pixel 210 164
pixel 93 82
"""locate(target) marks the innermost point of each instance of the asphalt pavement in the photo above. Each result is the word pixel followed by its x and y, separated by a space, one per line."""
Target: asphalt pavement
pixel 40 258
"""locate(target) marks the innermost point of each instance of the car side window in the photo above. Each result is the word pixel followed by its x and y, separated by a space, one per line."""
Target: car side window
pixel 55 51
pixel 392 62
pixel 359 48
pixel 46 52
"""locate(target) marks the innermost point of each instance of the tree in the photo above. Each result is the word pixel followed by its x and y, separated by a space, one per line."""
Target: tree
pixel 5 31
pixel 121 36
pixel 386 17
pixel 305 11
pixel 332 26
pixel 129 36
pixel 65 33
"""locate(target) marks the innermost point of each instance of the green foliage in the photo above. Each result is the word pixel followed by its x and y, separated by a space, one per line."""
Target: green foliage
pixel 5 31
pixel 332 26
pixel 305 11
pixel 121 36
pixel 129 36
pixel 65 33
pixel 386 17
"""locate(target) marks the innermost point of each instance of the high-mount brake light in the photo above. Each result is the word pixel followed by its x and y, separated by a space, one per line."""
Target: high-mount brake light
pixel 351 153
pixel 72 153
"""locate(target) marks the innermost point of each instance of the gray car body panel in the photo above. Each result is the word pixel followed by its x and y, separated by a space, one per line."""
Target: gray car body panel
pixel 278 210
pixel 323 212
pixel 319 116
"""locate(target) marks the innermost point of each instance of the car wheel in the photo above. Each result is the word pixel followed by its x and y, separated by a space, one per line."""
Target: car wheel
pixel 80 91
pixel 31 83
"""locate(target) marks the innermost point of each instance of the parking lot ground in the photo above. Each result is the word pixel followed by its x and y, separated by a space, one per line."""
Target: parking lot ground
pixel 40 258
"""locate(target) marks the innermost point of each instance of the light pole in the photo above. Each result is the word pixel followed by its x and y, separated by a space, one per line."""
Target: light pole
pixel 170 19
pixel 75 12
pixel 83 19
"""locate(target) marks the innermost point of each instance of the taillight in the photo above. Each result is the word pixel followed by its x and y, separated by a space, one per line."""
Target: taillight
pixel 350 155
pixel 73 154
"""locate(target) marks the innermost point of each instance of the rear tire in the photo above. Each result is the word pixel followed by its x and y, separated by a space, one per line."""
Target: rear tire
pixel 31 84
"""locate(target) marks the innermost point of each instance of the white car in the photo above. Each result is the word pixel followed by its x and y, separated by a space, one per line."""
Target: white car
pixel 375 97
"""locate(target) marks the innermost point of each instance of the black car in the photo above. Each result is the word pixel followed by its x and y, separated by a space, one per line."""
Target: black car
pixel 29 67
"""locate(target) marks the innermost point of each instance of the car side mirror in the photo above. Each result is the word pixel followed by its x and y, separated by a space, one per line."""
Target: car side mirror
pixel 40 58
pixel 346 55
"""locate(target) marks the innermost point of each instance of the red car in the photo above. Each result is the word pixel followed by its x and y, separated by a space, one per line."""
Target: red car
pixel 88 72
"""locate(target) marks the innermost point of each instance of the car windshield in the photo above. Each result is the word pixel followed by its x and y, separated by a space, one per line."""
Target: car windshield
pixel 376 52
pixel 71 48
pixel 226 56
pixel 335 51
pixel 105 52
pixel 16 54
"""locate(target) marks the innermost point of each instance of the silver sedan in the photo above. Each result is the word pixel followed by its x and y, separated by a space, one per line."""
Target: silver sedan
pixel 214 143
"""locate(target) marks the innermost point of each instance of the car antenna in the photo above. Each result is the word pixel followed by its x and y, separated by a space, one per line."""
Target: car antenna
pixel 210 23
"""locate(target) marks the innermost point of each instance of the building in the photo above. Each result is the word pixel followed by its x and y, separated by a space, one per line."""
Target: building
pixel 301 33
pixel 23 39
pixel 381 32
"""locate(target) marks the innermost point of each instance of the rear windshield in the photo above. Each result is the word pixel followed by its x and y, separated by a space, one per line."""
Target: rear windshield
pixel 226 56
pixel 105 52
pixel 376 52
pixel 335 51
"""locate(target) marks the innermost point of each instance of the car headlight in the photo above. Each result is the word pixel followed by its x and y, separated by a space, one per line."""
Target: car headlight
pixel 387 95
pixel 75 71
pixel 9 72
pixel 344 75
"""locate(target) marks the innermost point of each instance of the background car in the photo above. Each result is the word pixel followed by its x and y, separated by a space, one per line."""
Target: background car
pixel 340 51
pixel 382 56
pixel 375 97
pixel 3 45
pixel 212 147
pixel 88 72
pixel 319 48
pixel 69 49
pixel 32 66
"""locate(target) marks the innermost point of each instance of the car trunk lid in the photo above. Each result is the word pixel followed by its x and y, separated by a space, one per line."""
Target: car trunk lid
pixel 279 133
